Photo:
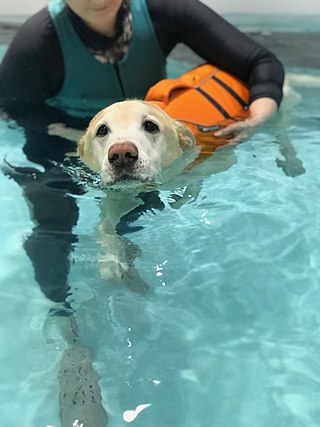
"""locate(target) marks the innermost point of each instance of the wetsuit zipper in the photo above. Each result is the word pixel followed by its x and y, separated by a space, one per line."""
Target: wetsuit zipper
pixel 116 67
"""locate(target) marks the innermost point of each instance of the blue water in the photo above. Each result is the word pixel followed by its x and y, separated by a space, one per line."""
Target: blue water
pixel 227 335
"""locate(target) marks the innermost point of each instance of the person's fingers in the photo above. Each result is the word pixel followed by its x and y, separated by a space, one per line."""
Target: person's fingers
pixel 236 132
pixel 231 129
pixel 56 129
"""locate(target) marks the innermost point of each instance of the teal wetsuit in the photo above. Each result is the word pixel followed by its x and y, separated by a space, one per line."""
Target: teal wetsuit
pixel 90 85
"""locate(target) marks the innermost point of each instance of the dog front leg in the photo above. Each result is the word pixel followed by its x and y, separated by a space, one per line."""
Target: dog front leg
pixel 113 262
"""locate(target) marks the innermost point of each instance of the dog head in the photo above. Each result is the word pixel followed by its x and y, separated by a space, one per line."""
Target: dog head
pixel 132 140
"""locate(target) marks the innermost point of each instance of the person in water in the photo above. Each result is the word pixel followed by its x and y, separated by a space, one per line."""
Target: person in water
pixel 74 58
pixel 82 55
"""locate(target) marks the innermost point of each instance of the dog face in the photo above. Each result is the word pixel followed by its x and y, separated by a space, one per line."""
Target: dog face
pixel 132 140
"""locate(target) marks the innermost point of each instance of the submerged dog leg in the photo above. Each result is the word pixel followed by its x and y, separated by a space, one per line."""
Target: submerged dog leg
pixel 112 260
pixel 116 261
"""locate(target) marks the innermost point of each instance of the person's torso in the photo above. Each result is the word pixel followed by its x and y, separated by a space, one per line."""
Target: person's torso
pixel 90 85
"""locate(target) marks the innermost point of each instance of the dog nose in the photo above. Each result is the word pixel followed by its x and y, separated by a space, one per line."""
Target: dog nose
pixel 123 154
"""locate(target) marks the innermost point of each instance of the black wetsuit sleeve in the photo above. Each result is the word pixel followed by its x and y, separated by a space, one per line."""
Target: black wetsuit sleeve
pixel 217 42
pixel 32 68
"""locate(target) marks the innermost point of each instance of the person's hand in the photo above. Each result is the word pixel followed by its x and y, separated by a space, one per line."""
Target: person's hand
pixel 259 111
pixel 60 129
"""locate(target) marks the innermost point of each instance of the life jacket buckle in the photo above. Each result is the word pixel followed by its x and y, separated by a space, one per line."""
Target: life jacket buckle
pixel 207 129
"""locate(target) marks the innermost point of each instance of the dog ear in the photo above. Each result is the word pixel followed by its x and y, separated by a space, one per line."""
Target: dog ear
pixel 84 151
pixel 80 147
pixel 186 137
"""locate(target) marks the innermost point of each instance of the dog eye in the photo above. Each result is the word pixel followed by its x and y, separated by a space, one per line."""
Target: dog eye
pixel 150 126
pixel 102 130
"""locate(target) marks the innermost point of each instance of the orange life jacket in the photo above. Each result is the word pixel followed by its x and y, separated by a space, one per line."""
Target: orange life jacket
pixel 205 99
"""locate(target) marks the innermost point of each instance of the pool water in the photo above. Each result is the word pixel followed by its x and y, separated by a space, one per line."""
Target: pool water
pixel 227 334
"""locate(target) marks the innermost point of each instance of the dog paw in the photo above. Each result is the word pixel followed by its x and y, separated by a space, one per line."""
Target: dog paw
pixel 112 269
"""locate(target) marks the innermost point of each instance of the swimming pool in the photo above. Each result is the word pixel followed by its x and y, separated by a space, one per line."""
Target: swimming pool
pixel 227 333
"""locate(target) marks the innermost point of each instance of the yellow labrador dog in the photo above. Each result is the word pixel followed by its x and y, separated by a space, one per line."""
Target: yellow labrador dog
pixel 130 141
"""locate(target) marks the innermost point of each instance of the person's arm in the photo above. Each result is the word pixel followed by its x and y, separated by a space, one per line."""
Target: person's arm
pixel 220 43
pixel 32 69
